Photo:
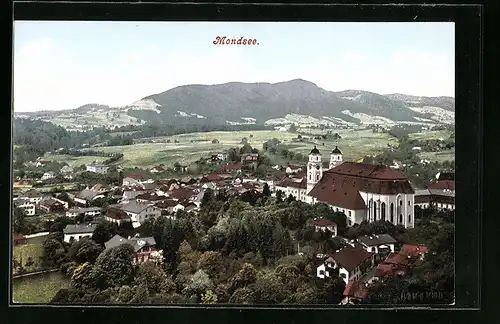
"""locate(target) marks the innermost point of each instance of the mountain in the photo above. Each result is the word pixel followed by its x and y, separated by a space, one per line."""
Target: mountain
pixel 297 101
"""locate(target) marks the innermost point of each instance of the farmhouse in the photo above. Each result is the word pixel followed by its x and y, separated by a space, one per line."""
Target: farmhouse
pixel 143 246
pixel 117 216
pixel 364 192
pixel 351 262
pixel 77 231
pixel 435 198
pixel 380 244
pixel 138 212
pixel 33 196
pixel 51 206
pixel 48 175
pixel 323 224
pixel 97 168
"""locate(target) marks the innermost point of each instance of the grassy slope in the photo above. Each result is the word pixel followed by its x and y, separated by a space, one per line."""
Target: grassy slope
pixel 354 145
pixel 429 135
pixel 448 155
pixel 37 289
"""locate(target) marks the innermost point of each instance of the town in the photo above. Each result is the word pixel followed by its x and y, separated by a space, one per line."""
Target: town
pixel 326 232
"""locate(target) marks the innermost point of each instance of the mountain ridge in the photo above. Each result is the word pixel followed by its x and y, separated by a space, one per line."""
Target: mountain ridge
pixel 261 102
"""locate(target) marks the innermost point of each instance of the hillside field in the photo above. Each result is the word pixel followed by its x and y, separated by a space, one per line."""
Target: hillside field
pixel 430 135
pixel 448 155
pixel 190 147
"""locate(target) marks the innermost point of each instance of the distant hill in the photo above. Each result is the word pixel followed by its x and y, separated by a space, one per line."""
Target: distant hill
pixel 282 103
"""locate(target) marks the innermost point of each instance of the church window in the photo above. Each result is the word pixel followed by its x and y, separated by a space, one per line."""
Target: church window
pixel 310 176
pixel 383 211
pixel 392 212
pixel 409 218
pixel 374 210
pixel 349 213
pixel 317 177
pixel 409 202
pixel 401 218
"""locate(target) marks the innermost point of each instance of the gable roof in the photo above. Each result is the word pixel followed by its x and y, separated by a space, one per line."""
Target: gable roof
pixel 351 256
pixel 356 289
pixel 442 185
pixel 116 213
pixel 137 242
pixel 79 228
pixel 323 222
pixel 376 239
pixel 134 207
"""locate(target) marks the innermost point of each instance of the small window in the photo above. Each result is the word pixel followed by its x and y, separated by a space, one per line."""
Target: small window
pixel 349 213
pixel 400 203
pixel 409 203
pixel 322 272
pixel 401 218
pixel 350 222
pixel 409 218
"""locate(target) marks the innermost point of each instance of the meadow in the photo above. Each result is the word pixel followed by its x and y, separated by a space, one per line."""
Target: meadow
pixel 38 289
pixel 441 156
pixel 431 135
pixel 190 147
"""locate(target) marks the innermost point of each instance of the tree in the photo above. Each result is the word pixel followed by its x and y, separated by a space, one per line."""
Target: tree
pixel 113 267
pixel 209 297
pixel 212 263
pixel 154 278
pixel 103 232
pixel 200 282
pixel 244 140
pixel 215 141
pixel 243 296
pixel 85 250
pixel 266 192
pixel 246 276
pixel 19 220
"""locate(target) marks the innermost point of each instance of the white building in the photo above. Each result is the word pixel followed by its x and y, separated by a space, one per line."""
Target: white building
pixel 351 262
pixel 361 191
pixel 48 175
pixel 90 211
pixel 138 212
pixel 78 231
pixel 98 168
pixel 26 205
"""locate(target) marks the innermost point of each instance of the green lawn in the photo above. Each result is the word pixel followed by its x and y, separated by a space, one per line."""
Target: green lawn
pixel 38 289
pixel 447 155
pixel 23 252
pixel 190 147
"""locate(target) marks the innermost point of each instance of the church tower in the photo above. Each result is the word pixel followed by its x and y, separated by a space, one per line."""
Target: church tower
pixel 335 158
pixel 314 169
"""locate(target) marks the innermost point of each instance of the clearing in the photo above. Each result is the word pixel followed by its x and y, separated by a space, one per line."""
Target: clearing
pixel 441 156
pixel 38 289
pixel 190 147
pixel 33 251
pixel 430 135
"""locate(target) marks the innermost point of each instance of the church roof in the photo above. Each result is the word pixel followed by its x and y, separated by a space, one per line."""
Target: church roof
pixel 314 150
pixel 336 150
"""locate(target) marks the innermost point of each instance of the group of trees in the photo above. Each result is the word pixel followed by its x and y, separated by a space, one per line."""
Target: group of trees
pixel 235 250
pixel 276 147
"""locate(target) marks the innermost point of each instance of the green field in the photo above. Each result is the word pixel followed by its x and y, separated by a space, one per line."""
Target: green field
pixel 430 135
pixel 448 155
pixel 190 147
pixel 38 289
pixel 25 251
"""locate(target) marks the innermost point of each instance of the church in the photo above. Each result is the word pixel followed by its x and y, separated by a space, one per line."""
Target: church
pixel 361 191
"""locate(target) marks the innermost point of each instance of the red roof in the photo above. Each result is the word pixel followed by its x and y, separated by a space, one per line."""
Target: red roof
pixel 442 185
pixel 384 270
pixel 356 289
pixel 117 214
pixel 398 259
pixel 181 194
pixel 413 250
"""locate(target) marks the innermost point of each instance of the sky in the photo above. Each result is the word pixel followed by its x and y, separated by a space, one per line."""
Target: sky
pixel 63 65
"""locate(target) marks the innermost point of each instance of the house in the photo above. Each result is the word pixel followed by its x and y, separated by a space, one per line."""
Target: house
pixel 19 239
pixel 33 196
pixel 293 169
pixel 143 246
pixel 97 168
pixel 182 194
pixel 66 169
pixel 150 198
pixel 170 206
pixel 408 255
pixel 64 203
pixel 354 292
pixel 130 193
pixel 51 206
pixel 231 167
pixel 414 251
pixel 323 224
pixel 133 179
pixel 90 211
pixel 138 212
pixel 352 262
pixel 157 169
pixel 40 163
pixel 380 244
pixel 117 216
pixel 77 231
pixel 436 198
pixel 26 205
pixel 48 175
pixel 86 196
